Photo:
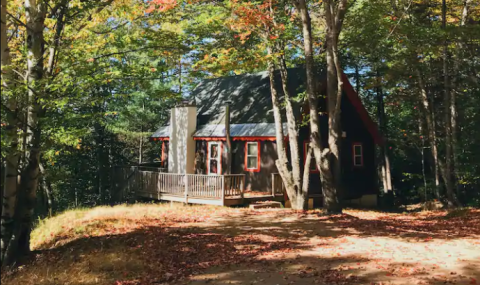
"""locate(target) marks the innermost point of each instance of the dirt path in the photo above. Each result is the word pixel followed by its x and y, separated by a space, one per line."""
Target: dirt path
pixel 320 250
pixel 199 246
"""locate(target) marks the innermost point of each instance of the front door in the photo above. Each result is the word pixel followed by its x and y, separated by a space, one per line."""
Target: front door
pixel 214 161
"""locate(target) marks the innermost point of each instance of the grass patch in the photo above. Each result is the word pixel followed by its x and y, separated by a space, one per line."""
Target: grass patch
pixel 103 220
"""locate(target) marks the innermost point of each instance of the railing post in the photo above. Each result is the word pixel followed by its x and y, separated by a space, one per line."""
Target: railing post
pixel 242 188
pixel 223 190
pixel 273 184
pixel 186 188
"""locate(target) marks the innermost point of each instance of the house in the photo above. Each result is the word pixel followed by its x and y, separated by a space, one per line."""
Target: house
pixel 195 139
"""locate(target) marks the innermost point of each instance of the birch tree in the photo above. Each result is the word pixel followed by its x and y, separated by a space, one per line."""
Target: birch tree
pixel 10 184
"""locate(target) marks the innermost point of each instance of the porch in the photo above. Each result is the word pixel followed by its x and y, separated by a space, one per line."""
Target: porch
pixel 156 183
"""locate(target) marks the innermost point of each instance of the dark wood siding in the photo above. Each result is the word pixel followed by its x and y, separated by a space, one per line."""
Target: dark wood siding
pixel 261 180
pixel 358 180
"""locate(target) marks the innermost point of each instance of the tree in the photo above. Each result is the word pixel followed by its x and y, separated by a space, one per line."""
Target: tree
pixel 269 24
pixel 327 159
pixel 11 171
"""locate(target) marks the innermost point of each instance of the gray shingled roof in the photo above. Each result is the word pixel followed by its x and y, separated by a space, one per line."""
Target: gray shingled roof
pixel 249 96
pixel 239 130
pixel 162 132
pixel 236 130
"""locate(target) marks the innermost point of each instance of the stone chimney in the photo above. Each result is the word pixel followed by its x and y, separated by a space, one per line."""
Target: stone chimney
pixel 181 150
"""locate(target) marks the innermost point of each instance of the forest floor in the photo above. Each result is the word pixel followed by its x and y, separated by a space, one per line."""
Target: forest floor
pixel 198 245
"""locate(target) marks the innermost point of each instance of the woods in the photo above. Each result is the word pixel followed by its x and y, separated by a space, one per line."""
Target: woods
pixel 85 83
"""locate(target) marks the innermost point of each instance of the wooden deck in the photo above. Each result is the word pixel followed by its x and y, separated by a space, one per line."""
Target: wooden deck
pixel 221 190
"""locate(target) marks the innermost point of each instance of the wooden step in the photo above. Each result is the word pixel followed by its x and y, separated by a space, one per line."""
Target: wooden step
pixel 264 205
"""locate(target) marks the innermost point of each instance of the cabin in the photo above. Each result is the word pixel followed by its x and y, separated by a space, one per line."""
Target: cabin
pixel 196 151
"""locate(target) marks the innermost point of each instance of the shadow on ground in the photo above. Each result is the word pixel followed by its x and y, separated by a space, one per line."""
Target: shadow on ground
pixel 271 247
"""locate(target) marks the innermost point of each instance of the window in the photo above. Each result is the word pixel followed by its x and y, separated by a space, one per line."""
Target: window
pixel 313 164
pixel 252 156
pixel 214 155
pixel 357 154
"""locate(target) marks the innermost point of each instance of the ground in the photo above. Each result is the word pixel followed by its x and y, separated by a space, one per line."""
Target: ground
pixel 175 244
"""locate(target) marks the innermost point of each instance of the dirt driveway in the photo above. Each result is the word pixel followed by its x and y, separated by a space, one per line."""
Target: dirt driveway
pixel 199 245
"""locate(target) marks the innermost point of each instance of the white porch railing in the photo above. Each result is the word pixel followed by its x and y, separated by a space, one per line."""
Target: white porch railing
pixel 189 188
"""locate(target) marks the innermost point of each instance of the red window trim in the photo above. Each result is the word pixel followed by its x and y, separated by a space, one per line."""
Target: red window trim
pixel 220 144
pixel 354 144
pixel 305 143
pixel 258 157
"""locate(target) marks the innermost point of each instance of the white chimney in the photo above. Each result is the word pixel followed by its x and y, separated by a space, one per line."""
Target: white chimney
pixel 181 150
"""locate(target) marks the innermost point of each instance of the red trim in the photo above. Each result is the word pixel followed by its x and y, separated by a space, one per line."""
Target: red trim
pixel 254 139
pixel 357 103
pixel 305 143
pixel 160 139
pixel 220 146
pixel 209 138
pixel 258 158
pixel 354 144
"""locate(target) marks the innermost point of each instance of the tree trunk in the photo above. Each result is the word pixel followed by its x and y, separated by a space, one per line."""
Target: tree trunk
pixel 295 157
pixel 430 126
pixel 436 169
pixel 430 130
pixel 35 19
pixel 449 120
pixel 299 193
pixel 282 161
pixel 334 19
pixel 103 162
pixel 47 190
pixel 330 199
pixel 385 160
pixel 9 191
pixel 422 152
pixel 453 99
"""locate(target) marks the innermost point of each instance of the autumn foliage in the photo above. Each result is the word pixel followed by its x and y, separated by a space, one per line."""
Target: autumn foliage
pixel 152 244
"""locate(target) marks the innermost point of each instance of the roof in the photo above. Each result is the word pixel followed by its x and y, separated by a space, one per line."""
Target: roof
pixel 239 130
pixel 248 95
pixel 162 132
pixel 250 103
pixel 236 130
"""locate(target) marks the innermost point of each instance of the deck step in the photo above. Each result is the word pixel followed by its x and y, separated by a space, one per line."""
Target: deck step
pixel 269 204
